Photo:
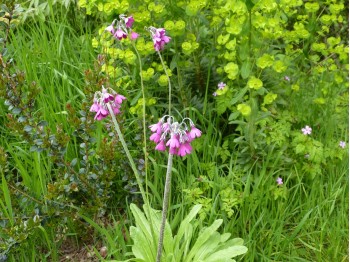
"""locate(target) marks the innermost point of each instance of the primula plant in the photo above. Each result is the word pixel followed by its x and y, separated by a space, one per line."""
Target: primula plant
pixel 167 133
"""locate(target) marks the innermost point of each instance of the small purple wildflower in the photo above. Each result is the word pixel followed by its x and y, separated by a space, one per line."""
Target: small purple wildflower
pixel 221 85
pixel 287 78
pixel 279 181
pixel 215 94
pixel 306 130
pixel 342 144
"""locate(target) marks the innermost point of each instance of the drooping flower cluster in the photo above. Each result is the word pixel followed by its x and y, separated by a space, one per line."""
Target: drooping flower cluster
pixel 101 98
pixel 122 28
pixel 159 38
pixel 176 136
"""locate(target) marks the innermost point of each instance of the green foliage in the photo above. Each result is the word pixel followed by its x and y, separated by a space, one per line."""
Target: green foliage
pixel 191 243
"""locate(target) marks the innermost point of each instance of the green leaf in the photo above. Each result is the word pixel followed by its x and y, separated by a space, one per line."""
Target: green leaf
pixel 223 102
pixel 239 96
pixel 202 238
pixel 140 247
pixel 245 69
pixel 208 248
pixel 230 252
pixel 7 198
pixel 142 223
pixel 185 232
pixel 233 116
pixel 300 148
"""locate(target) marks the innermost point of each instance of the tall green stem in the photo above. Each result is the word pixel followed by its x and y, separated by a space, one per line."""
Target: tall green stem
pixel 167 179
pixel 169 84
pixel 143 112
pixel 165 206
pixel 127 152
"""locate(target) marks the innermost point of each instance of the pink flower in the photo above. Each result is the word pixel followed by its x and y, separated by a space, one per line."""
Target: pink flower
pixel 279 181
pixel 221 85
pixel 129 21
pixel 120 34
pixel 95 107
pixel 101 113
pixel 156 128
pixel 159 38
pixel 119 98
pixel 155 137
pixel 184 149
pixel 166 127
pixel 194 132
pixel 306 130
pixel 106 96
pixel 173 142
pixel 161 146
pixel 134 35
pixel 110 29
pixel 180 139
pixel 115 108
pixel 173 150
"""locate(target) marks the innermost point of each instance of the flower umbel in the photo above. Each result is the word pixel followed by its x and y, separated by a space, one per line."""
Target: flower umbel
pixel 306 130
pixel 101 98
pixel 121 28
pixel 168 133
pixel 159 38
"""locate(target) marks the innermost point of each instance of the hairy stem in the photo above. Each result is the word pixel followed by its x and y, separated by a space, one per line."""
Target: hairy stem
pixel 143 111
pixel 169 84
pixel 165 206
pixel 127 152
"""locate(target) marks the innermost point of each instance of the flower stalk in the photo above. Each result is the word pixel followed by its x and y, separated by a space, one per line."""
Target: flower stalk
pixel 165 206
pixel 127 152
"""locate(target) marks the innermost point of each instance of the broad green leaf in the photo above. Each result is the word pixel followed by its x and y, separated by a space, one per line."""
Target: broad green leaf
pixel 141 221
pixel 227 253
pixel 230 243
pixel 141 249
pixel 208 247
pixel 224 237
pixel 185 224
pixel 202 238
